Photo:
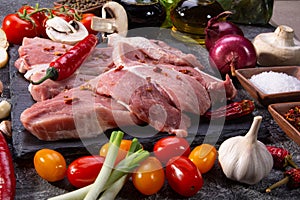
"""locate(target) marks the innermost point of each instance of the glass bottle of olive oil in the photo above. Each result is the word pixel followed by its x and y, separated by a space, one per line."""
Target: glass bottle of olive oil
pixel 190 17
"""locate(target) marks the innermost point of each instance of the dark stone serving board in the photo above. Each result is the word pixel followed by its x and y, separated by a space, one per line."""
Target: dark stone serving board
pixel 25 144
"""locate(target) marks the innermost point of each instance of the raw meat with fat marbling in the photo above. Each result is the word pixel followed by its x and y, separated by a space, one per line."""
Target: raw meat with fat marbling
pixel 148 83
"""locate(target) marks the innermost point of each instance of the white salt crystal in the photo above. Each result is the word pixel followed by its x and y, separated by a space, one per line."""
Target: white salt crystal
pixel 275 82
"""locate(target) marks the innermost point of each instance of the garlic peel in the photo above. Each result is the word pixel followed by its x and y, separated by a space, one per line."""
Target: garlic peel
pixel 244 158
pixel 277 48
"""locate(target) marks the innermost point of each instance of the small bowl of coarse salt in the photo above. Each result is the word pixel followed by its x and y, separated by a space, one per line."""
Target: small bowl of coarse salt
pixel 271 84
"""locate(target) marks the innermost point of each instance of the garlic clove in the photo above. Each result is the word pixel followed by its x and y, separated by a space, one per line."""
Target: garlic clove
pixel 5 108
pixel 5 128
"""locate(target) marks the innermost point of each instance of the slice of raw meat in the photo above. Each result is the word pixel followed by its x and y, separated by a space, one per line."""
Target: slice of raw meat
pixel 38 51
pixel 75 113
pixel 186 93
pixel 157 51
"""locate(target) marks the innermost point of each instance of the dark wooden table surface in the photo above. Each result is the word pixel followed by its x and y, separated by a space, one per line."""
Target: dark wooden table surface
pixel 216 186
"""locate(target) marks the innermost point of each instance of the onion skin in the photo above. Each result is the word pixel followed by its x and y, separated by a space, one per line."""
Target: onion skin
pixel 218 27
pixel 232 52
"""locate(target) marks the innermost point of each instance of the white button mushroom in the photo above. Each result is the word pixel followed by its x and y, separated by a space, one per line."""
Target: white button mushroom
pixel 62 31
pixel 277 48
pixel 117 24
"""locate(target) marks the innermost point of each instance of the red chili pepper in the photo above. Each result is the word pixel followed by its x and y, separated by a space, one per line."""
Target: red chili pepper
pixel 282 158
pixel 7 175
pixel 69 62
pixel 232 111
pixel 292 179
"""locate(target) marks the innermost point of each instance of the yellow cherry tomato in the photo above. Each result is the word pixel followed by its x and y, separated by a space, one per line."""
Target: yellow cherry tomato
pixel 204 157
pixel 149 177
pixel 50 165
pixel 124 148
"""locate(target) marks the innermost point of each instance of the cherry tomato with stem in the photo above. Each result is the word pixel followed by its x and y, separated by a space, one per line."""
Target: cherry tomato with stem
pixel 64 12
pixel 17 26
pixel 50 165
pixel 35 12
pixel 124 148
pixel 149 177
pixel 183 176
pixel 204 157
pixel 38 15
pixel 84 170
pixel 86 20
pixel 170 146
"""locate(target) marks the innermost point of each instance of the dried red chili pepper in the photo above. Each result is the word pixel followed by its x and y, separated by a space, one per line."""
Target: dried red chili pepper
pixel 232 111
pixel 292 179
pixel 7 175
pixel 282 158
pixel 293 116
pixel 69 62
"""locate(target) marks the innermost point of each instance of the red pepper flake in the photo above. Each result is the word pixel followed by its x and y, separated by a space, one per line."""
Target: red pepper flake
pixel 49 48
pixel 155 62
pixel 178 77
pixel 58 53
pixel 88 87
pixel 293 116
pixel 184 71
pixel 157 69
pixel 70 100
pixel 119 68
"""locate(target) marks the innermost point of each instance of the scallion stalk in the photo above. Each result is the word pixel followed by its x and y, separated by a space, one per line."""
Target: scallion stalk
pixel 114 179
pixel 97 187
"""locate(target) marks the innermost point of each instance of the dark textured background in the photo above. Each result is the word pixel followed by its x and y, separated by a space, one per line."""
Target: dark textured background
pixel 216 185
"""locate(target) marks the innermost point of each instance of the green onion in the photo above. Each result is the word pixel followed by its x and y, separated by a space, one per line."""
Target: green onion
pixel 110 181
pixel 98 186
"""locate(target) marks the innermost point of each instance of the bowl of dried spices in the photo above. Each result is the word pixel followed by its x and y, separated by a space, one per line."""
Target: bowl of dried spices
pixel 287 116
pixel 83 6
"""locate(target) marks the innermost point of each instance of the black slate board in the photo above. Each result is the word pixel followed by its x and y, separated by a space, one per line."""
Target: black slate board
pixel 25 144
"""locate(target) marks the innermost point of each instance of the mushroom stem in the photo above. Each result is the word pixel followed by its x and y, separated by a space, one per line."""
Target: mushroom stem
pixel 284 36
pixel 118 23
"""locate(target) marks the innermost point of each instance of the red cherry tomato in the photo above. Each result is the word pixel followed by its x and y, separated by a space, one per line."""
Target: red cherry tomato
pixel 124 148
pixel 171 146
pixel 183 176
pixel 50 165
pixel 17 28
pixel 204 157
pixel 64 12
pixel 149 177
pixel 38 16
pixel 84 170
pixel 86 20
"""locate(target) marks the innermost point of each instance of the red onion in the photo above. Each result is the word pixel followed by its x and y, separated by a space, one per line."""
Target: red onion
pixel 232 52
pixel 217 27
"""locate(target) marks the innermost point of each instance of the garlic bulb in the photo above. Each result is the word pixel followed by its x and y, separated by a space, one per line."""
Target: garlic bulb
pixel 244 158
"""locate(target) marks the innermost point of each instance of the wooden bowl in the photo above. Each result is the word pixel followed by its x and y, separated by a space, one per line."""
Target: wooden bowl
pixel 92 7
pixel 243 75
pixel 277 111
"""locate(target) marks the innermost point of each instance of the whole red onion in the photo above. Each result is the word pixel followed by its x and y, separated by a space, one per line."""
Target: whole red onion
pixel 217 27
pixel 232 52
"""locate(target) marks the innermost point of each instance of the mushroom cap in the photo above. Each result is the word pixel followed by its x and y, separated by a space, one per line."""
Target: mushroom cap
pixel 117 24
